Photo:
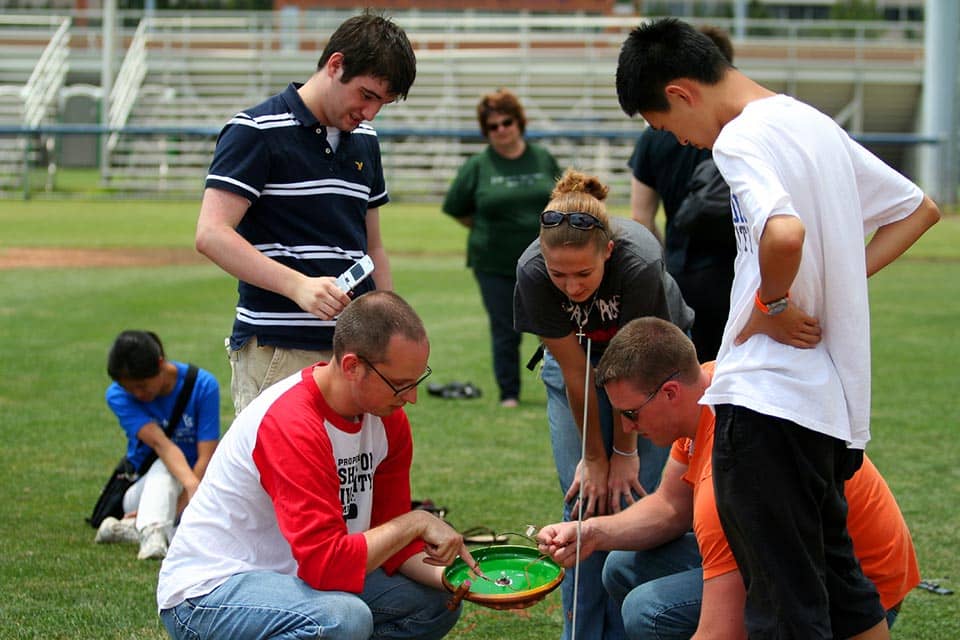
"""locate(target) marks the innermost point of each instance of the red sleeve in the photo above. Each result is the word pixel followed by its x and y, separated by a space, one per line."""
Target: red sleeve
pixel 295 460
pixel 391 484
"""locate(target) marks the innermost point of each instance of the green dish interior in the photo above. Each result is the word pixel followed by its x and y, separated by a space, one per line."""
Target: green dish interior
pixel 520 568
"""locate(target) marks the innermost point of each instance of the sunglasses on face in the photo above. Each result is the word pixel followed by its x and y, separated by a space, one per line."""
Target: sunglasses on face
pixel 577 220
pixel 397 391
pixel 632 414
pixel 494 126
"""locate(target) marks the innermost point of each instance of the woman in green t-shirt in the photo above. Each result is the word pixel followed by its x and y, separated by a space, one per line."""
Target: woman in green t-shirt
pixel 498 194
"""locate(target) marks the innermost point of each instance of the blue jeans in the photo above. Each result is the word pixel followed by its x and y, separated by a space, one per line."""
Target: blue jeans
pixel 271 605
pixel 497 294
pixel 597 615
pixel 659 590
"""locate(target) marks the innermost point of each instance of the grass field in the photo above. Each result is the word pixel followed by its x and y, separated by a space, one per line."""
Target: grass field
pixel 490 466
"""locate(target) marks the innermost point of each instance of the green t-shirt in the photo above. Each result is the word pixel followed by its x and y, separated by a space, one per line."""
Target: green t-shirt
pixel 505 198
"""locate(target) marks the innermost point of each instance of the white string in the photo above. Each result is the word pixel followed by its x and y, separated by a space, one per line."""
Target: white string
pixel 583 454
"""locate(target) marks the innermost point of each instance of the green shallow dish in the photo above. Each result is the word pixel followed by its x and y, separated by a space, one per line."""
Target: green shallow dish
pixel 519 577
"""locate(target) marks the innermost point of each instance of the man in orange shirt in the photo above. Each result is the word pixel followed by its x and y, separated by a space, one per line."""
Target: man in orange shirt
pixel 677 584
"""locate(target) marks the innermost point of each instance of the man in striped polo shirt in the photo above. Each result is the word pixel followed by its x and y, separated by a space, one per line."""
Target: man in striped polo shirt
pixel 292 200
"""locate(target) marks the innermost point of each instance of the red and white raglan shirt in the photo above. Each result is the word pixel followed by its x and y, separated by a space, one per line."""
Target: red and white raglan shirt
pixel 290 489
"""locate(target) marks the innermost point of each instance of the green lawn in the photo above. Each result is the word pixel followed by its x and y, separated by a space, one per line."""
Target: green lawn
pixel 488 465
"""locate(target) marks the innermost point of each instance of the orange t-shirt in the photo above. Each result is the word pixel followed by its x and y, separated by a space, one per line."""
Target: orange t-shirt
pixel 881 539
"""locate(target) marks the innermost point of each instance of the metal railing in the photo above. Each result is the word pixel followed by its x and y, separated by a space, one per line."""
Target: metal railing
pixel 126 88
pixel 205 66
pixel 274 31
pixel 48 76
pixel 443 151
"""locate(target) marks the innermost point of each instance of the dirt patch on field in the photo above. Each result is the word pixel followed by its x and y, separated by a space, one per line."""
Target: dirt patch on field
pixel 46 258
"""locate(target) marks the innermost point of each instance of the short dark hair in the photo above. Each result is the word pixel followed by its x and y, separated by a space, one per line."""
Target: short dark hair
pixel 660 51
pixel 367 324
pixel 373 45
pixel 646 351
pixel 720 38
pixel 501 101
pixel 135 355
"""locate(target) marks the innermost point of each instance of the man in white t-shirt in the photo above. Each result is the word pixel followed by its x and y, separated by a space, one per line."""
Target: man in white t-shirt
pixel 792 384
pixel 302 523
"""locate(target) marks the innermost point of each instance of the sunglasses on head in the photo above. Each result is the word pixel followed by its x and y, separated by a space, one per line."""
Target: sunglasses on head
pixel 494 126
pixel 577 220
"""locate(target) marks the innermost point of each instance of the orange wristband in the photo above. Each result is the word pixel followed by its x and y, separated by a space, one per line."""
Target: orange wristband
pixel 773 307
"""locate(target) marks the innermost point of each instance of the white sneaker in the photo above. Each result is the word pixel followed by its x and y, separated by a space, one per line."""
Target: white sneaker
pixel 113 530
pixel 153 545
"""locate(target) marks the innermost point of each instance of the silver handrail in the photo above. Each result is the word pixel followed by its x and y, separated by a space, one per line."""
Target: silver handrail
pixel 128 82
pixel 47 77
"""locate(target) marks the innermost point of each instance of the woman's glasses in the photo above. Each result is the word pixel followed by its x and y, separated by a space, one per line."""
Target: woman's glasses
pixel 494 126
pixel 577 220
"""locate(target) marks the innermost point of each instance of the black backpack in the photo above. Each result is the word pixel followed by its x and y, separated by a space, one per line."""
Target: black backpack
pixel 707 205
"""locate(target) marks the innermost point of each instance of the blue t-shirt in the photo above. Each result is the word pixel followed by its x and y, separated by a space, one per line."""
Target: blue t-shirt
pixel 200 422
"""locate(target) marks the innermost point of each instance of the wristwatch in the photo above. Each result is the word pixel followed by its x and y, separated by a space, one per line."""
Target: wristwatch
pixel 773 307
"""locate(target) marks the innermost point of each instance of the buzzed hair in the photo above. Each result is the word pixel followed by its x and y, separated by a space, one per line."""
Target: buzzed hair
pixel 647 351
pixel 369 322
pixel 658 52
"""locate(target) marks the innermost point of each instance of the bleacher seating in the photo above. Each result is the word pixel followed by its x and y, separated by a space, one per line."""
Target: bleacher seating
pixel 197 70
pixel 33 71
pixel 564 80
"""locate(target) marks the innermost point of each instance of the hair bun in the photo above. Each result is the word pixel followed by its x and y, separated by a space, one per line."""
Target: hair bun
pixel 573 181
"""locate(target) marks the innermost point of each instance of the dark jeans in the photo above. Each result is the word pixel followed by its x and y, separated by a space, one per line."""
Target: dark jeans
pixel 707 292
pixel 779 493
pixel 497 294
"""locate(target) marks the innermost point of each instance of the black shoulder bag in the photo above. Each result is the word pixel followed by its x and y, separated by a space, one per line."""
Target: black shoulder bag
pixel 706 208
pixel 110 502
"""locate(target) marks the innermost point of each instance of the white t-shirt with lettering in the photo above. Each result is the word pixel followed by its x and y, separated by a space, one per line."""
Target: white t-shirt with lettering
pixel 783 157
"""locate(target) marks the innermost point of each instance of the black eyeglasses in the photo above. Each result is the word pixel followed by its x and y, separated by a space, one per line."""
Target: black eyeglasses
pixel 397 390
pixel 631 414
pixel 494 126
pixel 577 220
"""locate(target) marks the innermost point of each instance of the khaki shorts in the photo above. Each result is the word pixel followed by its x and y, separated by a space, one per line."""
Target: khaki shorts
pixel 254 368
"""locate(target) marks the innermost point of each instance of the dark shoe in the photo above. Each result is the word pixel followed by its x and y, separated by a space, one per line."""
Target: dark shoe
pixel 455 390
pixel 465 390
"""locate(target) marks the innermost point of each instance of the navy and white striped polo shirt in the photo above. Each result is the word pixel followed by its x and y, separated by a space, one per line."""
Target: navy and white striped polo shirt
pixel 308 208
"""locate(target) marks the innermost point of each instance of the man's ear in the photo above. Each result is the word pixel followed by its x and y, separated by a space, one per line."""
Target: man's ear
pixel 671 389
pixel 334 66
pixel 350 365
pixel 683 91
